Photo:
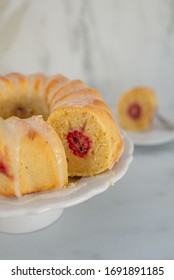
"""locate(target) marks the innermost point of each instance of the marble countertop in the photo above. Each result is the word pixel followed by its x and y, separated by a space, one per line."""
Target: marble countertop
pixel 112 47
pixel 131 220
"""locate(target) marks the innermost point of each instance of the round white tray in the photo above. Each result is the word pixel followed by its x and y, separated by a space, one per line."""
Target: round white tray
pixel 160 132
pixel 36 211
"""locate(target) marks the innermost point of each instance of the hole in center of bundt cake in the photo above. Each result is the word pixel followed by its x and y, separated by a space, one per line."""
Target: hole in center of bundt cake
pixel 134 111
pixel 22 112
pixel 79 143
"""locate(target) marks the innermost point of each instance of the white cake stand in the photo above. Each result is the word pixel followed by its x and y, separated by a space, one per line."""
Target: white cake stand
pixel 37 211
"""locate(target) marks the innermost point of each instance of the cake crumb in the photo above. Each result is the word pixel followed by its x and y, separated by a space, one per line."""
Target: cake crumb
pixel 72 185
pixel 111 183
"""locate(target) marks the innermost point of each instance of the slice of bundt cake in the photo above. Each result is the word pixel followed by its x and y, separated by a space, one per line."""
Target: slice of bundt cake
pixel 136 107
pixel 32 157
pixel 89 134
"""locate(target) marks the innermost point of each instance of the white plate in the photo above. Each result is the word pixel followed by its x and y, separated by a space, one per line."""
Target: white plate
pixel 159 133
pixel 36 211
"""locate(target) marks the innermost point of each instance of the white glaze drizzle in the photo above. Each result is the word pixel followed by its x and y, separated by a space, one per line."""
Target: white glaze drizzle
pixel 15 132
pixel 37 124
pixel 16 129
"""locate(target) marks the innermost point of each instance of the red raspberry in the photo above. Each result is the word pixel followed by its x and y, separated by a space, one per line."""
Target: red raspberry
pixel 78 143
pixel 134 111
pixel 4 170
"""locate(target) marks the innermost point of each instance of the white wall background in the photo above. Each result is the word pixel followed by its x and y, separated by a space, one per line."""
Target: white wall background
pixel 111 44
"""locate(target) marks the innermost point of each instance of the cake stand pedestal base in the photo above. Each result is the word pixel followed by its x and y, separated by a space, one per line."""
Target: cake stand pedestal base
pixel 29 223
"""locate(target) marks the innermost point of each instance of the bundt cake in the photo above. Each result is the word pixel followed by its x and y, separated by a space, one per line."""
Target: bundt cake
pixel 32 157
pixel 79 116
pixel 136 107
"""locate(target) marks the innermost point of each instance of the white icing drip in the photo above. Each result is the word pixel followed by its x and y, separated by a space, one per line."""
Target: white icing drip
pixel 39 126
pixel 15 132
